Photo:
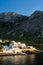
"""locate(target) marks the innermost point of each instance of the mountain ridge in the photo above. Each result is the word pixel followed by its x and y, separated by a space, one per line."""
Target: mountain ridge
pixel 16 26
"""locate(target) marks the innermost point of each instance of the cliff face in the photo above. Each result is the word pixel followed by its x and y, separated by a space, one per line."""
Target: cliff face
pixel 15 26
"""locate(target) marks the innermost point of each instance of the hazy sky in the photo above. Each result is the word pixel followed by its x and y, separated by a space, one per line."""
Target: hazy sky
pixel 25 7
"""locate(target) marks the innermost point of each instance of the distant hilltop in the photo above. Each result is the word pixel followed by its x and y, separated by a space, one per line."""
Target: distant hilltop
pixel 20 27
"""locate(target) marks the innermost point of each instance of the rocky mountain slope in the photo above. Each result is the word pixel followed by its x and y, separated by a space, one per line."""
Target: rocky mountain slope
pixel 16 26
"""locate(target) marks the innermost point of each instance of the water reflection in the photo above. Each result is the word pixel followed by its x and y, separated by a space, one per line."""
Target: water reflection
pixel 30 59
pixel 17 60
pixel 20 59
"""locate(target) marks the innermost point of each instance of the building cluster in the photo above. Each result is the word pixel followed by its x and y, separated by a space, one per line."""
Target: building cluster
pixel 12 46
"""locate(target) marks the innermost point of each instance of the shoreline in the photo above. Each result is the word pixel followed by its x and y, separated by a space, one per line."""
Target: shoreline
pixel 25 51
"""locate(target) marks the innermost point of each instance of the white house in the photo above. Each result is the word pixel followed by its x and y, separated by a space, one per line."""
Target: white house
pixel 21 45
pixel 14 44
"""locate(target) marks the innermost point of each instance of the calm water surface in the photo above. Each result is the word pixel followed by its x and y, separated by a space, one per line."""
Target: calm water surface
pixel 30 59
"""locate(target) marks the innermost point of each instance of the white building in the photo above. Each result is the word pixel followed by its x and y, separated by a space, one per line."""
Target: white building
pixel 21 45
pixel 14 44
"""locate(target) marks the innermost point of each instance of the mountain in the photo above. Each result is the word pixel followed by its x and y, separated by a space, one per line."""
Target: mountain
pixel 20 27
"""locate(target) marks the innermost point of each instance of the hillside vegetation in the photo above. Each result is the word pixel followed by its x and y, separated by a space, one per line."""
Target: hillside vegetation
pixel 22 28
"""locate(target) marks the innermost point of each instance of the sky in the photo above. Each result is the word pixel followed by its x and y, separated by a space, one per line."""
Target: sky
pixel 25 7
